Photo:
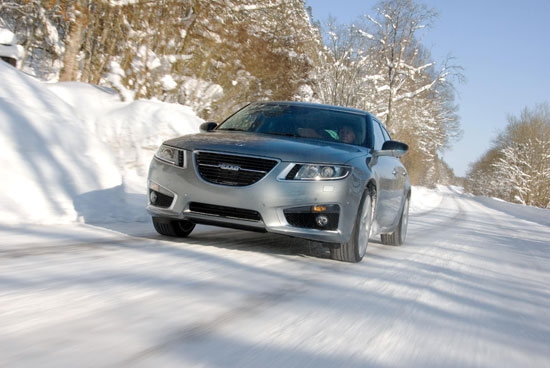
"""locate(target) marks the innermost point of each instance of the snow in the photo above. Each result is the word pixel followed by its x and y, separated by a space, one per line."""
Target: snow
pixel 8 45
pixel 86 281
pixel 168 83
pixel 66 145
pixel 7 37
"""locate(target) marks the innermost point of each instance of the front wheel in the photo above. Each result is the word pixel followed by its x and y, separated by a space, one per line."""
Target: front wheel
pixel 171 227
pixel 354 250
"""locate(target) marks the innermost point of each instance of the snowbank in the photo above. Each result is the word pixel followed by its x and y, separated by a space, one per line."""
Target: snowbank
pixel 132 130
pixel 72 151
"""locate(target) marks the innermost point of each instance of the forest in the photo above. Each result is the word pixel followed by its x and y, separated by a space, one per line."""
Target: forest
pixel 216 56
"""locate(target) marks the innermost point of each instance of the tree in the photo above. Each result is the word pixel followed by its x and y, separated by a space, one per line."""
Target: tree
pixel 525 161
pixel 212 55
pixel 40 28
pixel 256 50
pixel 517 168
pixel 342 70
pixel 76 13
pixel 481 178
pixel 399 55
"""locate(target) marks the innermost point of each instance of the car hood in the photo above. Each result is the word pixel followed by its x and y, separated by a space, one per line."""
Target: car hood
pixel 283 148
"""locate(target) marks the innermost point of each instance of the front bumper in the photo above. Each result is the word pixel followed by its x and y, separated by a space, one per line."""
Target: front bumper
pixel 272 204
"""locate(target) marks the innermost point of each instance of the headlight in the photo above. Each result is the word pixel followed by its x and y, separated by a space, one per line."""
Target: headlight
pixel 167 154
pixel 318 172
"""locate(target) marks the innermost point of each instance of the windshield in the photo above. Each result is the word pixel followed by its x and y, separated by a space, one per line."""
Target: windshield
pixel 305 121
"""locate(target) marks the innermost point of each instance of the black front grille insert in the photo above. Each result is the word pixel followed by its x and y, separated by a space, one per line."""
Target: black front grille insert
pixel 223 211
pixel 232 170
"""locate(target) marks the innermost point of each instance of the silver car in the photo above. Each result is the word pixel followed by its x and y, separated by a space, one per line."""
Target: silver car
pixel 324 173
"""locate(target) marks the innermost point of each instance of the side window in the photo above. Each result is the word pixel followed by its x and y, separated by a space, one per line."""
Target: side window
pixel 379 138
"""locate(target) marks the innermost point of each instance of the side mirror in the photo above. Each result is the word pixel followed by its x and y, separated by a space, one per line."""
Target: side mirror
pixel 393 148
pixel 208 126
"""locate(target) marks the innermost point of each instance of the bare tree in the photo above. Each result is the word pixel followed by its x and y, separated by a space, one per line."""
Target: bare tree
pixel 517 168
pixel 342 71
pixel 77 14
pixel 525 157
pixel 404 68
pixel 39 28
pixel 482 180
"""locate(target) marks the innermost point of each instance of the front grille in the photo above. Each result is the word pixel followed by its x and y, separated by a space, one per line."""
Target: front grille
pixel 232 170
pixel 223 211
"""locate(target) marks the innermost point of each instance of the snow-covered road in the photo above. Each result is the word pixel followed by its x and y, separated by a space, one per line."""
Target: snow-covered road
pixel 471 288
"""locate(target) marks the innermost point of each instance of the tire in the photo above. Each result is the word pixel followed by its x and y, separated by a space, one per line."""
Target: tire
pixel 354 250
pixel 174 228
pixel 397 238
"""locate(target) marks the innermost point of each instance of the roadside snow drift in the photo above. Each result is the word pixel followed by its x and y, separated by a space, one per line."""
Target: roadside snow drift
pixel 66 146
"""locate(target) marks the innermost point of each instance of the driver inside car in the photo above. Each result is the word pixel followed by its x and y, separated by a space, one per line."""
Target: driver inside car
pixel 346 134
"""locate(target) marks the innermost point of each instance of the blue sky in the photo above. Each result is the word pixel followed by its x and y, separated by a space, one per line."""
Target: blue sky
pixel 504 48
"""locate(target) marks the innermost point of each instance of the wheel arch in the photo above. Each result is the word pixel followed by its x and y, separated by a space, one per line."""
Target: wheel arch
pixel 370 187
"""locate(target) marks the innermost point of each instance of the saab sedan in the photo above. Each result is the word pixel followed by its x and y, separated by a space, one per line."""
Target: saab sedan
pixel 324 173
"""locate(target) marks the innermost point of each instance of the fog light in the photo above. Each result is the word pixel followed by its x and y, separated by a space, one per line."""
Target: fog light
pixel 319 208
pixel 321 220
pixel 153 197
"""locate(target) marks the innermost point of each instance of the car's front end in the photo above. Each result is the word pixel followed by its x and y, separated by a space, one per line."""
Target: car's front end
pixel 282 185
